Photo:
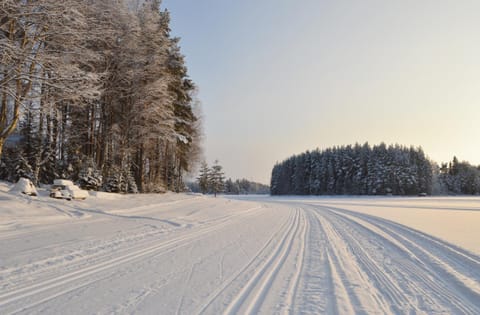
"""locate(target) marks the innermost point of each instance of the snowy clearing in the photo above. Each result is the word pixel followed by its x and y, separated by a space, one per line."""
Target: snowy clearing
pixel 190 254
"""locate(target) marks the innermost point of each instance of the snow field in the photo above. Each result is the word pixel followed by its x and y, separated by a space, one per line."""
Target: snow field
pixel 189 254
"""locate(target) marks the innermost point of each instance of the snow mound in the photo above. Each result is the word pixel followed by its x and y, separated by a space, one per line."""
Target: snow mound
pixel 24 186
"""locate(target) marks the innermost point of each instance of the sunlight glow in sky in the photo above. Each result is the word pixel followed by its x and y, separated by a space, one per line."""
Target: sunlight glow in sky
pixel 279 77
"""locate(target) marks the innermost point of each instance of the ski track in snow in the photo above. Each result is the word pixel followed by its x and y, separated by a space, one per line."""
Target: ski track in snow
pixel 378 266
pixel 253 293
pixel 68 281
pixel 218 256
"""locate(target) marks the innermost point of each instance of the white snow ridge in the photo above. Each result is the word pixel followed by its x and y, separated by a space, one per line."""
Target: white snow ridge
pixel 189 254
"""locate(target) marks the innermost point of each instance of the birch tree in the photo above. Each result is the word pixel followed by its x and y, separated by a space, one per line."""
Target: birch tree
pixel 101 82
pixel 41 48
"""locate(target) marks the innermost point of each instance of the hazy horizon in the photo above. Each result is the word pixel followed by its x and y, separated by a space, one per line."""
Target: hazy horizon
pixel 277 78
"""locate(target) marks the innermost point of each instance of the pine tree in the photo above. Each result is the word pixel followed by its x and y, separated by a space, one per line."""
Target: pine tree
pixel 114 182
pixel 204 178
pixel 131 185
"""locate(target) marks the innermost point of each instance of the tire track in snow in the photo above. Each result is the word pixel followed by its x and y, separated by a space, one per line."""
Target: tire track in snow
pixel 68 279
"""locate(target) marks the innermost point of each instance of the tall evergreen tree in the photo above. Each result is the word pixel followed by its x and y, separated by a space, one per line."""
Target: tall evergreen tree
pixel 217 178
pixel 204 178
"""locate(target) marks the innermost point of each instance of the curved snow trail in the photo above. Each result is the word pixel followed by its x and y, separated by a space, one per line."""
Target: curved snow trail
pixel 260 256
pixel 85 271
pixel 101 252
pixel 446 272
pixel 402 270
pixel 66 279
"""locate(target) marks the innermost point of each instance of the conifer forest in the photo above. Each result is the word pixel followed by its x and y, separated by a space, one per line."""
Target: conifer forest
pixel 367 170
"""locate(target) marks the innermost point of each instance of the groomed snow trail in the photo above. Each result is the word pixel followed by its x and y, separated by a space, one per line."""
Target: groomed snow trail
pixel 379 267
pixel 201 255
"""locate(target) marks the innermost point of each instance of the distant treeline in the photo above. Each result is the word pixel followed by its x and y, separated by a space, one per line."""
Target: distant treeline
pixel 245 187
pixel 367 170
pixel 458 178
pixel 237 187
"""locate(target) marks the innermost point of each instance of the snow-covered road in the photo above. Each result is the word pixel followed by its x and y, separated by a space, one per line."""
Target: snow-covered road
pixel 187 254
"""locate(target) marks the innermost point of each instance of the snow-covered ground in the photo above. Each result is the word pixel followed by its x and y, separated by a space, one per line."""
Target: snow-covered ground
pixel 190 254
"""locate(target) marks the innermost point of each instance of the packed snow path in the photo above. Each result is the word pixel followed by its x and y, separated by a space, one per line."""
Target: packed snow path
pixel 185 254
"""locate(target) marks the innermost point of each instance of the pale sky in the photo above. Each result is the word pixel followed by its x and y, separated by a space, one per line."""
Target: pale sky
pixel 279 77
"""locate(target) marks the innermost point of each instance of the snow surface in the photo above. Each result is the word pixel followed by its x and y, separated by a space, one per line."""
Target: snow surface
pixel 190 254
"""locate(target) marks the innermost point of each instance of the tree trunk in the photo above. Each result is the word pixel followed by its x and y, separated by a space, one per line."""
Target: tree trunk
pixel 140 176
pixel 36 174
pixel 2 142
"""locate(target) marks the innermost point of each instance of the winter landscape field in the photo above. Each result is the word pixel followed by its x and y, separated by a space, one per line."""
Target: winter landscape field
pixel 191 254
pixel 240 157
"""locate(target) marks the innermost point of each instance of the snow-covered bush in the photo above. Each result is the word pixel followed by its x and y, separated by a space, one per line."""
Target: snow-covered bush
pixel 89 177
pixel 23 169
pixel 120 181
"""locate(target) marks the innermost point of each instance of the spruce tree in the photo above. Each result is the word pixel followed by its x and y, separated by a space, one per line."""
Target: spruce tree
pixel 217 179
pixel 204 178
pixel 90 177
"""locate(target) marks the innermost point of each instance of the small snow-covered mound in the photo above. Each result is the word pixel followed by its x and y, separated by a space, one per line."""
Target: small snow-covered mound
pixel 24 186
